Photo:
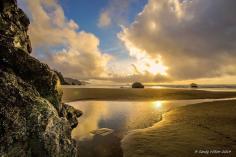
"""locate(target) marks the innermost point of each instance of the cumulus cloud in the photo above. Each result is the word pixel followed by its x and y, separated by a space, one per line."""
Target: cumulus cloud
pixel 131 70
pixel 116 12
pixel 104 19
pixel 61 44
pixel 195 38
pixel 169 40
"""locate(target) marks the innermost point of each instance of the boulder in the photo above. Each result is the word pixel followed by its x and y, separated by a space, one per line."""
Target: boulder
pixel 33 121
pixel 137 85
pixel 193 85
pixel 71 114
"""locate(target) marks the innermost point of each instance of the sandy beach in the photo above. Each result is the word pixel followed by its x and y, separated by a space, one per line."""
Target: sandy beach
pixel 117 78
pixel 129 94
pixel 202 129
pixel 205 129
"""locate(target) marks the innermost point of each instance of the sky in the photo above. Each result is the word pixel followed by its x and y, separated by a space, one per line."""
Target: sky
pixel 87 16
pixel 152 41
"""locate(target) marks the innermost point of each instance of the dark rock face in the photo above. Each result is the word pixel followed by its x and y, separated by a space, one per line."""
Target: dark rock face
pixel 137 85
pixel 72 81
pixel 71 114
pixel 13 26
pixel 61 78
pixel 68 81
pixel 193 85
pixel 33 122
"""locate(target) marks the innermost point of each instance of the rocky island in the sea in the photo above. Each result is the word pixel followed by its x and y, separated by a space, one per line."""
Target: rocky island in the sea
pixel 193 85
pixel 33 121
pixel 69 81
pixel 137 85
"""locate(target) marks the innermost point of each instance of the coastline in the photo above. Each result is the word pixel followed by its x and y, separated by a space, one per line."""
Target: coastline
pixel 206 126
pixel 148 94
pixel 193 130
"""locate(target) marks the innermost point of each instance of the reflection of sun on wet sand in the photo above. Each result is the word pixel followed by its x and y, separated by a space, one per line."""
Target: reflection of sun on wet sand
pixel 187 131
pixel 134 115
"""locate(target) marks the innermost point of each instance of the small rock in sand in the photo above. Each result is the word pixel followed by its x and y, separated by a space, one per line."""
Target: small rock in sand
pixel 102 131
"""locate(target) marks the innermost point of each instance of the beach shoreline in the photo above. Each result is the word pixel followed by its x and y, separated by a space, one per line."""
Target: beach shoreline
pixel 190 130
pixel 193 130
pixel 129 94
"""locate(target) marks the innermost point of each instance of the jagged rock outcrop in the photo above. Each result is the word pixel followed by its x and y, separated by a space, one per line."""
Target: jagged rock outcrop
pixel 61 78
pixel 71 114
pixel 13 26
pixel 33 122
pixel 69 81
pixel 72 81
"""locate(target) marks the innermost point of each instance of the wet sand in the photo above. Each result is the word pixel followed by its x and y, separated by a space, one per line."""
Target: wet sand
pixel 205 129
pixel 128 94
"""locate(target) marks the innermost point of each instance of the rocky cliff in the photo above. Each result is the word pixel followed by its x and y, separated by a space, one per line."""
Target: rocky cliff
pixel 33 121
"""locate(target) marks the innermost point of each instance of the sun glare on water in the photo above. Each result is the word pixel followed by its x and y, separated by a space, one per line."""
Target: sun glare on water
pixel 157 104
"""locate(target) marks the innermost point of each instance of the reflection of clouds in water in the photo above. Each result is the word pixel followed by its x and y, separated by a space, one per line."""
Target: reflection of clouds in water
pixel 120 115
pixel 93 112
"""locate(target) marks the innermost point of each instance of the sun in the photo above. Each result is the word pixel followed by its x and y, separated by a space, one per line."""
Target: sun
pixel 152 66
pixel 146 64
pixel 157 69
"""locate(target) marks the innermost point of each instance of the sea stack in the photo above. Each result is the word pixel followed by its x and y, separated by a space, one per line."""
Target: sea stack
pixel 33 121
pixel 193 85
pixel 137 85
